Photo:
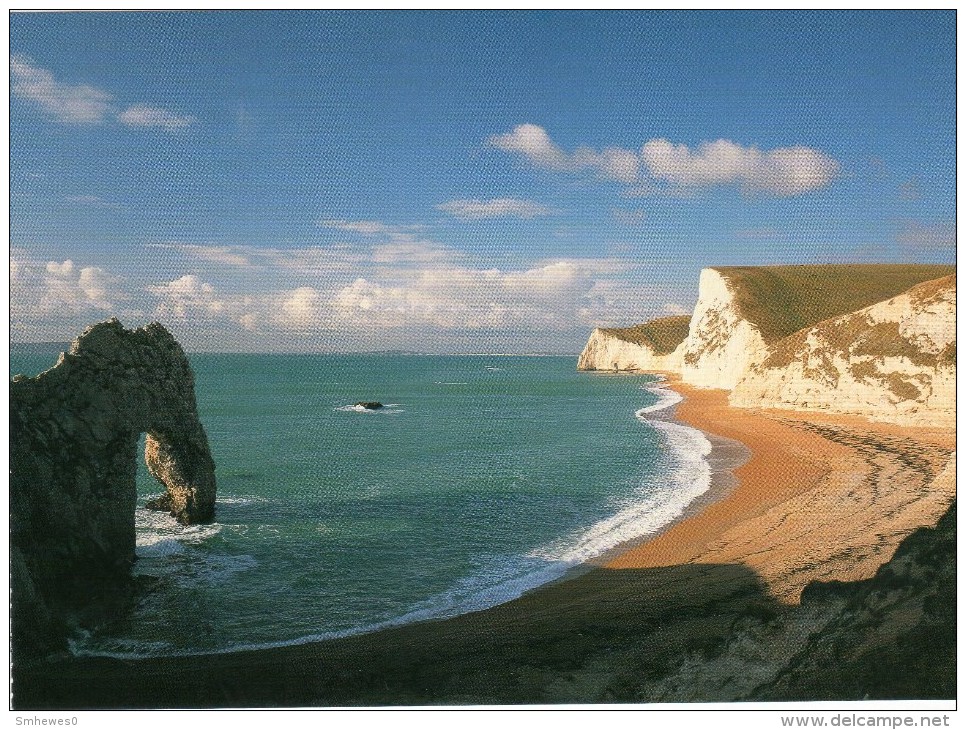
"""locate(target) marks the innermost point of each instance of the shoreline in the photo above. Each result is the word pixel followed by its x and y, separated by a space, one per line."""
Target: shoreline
pixel 726 456
pixel 799 504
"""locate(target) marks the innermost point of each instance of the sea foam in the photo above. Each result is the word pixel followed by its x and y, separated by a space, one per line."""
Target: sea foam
pixel 656 504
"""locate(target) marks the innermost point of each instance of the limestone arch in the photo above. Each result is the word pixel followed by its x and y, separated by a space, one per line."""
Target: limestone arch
pixel 74 432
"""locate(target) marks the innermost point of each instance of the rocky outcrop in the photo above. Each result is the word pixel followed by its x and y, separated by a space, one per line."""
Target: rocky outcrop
pixel 893 361
pixel 74 432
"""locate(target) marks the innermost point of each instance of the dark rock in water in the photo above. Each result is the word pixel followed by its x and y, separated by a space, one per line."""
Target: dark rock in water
pixel 73 440
pixel 370 405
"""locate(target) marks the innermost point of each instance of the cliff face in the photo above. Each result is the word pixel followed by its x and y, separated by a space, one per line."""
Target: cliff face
pixel 721 343
pixel 893 361
pixel 854 340
pixel 605 351
pixel 73 439
pixel 654 345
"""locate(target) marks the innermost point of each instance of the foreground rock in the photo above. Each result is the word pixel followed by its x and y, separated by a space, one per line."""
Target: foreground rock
pixel 74 432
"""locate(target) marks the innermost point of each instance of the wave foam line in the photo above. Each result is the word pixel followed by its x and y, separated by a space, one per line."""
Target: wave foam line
pixel 657 506
pixel 665 398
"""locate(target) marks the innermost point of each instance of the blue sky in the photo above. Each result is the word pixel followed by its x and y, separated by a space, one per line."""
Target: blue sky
pixel 456 181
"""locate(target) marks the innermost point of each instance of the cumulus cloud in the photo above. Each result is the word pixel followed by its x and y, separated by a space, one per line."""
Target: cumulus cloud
pixel 781 172
pixel 77 289
pixel 188 297
pixel 59 289
pixel 144 115
pixel 68 103
pixel 554 295
pixel 475 209
pixel 535 144
pixel 300 308
pixel 662 166
pixel 81 103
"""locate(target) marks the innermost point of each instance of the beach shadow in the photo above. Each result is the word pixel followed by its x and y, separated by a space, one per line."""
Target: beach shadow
pixel 592 638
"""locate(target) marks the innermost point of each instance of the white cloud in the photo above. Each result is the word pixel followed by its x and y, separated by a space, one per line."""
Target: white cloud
pixel 145 115
pixel 412 252
pixel 611 162
pixel 59 289
pixel 366 228
pixel 662 166
pixel 475 209
pixel 553 296
pixel 81 103
pixel 188 297
pixel 229 255
pixel 781 172
pixel 68 103
pixel 535 144
pixel 300 308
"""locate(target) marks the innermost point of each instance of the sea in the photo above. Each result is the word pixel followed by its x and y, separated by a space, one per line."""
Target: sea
pixel 483 477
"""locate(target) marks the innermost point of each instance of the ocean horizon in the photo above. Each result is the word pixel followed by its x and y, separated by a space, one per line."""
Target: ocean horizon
pixel 483 477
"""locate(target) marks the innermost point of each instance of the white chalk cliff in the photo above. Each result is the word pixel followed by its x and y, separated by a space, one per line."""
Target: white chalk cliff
pixel 892 360
pixel 721 344
pixel 606 351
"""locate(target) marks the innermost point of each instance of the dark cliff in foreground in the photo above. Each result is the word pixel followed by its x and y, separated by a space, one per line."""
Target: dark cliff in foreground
pixel 683 633
pixel 74 432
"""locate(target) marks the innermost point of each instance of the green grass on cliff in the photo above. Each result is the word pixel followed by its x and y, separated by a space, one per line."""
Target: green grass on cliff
pixel 661 335
pixel 781 300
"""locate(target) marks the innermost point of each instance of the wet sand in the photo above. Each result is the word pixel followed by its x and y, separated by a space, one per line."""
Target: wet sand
pixel 822 497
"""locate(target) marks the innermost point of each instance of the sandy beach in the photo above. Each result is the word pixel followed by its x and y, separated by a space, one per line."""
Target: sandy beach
pixel 823 497
pixel 820 498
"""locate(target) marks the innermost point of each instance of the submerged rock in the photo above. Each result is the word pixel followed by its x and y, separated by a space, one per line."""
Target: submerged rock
pixel 370 405
pixel 74 433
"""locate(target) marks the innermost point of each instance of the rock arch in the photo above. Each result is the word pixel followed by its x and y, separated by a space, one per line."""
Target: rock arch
pixel 74 433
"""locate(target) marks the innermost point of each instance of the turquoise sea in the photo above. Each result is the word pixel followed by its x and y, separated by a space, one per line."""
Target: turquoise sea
pixel 483 477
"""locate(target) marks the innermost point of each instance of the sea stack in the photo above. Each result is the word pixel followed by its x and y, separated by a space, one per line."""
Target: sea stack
pixel 74 433
pixel 370 405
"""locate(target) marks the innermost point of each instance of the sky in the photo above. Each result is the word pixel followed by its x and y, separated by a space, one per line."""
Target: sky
pixel 458 182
